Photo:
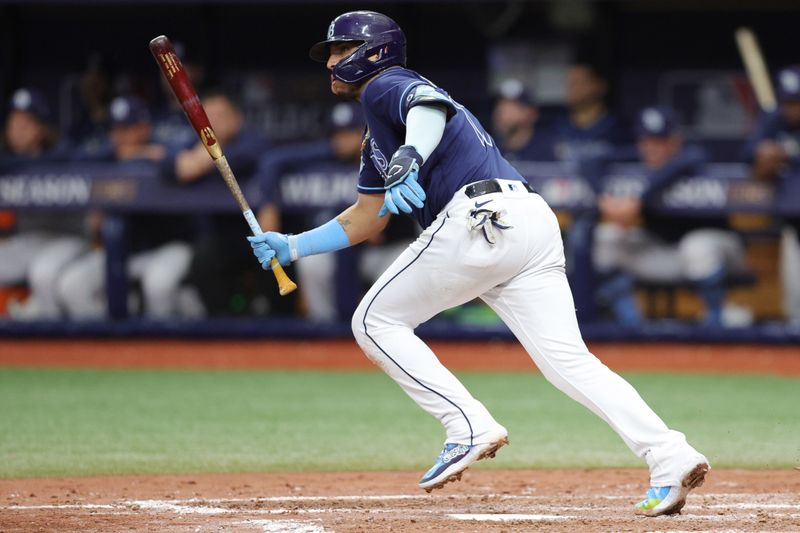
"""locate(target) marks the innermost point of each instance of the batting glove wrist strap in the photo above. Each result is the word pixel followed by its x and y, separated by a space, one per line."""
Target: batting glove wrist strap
pixel 293 253
pixel 406 160
pixel 401 182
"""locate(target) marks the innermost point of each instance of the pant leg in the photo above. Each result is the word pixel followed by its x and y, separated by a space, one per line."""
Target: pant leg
pixel 424 280
pixel 790 273
pixel 81 289
pixel 161 277
pixel 16 254
pixel 707 252
pixel 315 274
pixel 45 271
pixel 538 307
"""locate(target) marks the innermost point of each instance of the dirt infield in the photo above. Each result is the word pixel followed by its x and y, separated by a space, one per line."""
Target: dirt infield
pixel 485 500
pixel 344 354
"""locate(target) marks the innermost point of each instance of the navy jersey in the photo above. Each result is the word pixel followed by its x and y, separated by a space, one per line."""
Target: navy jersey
pixel 465 154
pixel 773 127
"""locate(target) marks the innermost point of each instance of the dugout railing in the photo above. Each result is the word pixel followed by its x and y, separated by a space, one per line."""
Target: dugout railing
pixel 123 189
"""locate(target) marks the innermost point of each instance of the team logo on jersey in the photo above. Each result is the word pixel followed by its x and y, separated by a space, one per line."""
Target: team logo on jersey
pixel 378 159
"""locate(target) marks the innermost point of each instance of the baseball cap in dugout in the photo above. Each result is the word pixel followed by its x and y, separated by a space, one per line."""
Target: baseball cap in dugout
pixel 656 121
pixel 128 110
pixel 31 101
pixel 788 84
pixel 514 89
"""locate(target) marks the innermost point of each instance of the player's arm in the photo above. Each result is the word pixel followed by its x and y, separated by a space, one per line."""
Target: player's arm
pixel 424 130
pixel 355 224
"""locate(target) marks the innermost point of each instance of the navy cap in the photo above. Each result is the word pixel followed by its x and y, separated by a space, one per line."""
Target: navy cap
pixel 347 115
pixel 514 89
pixel 128 110
pixel 788 83
pixel 656 122
pixel 32 101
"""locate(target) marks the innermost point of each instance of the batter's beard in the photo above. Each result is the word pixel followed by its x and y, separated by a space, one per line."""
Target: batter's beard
pixel 346 91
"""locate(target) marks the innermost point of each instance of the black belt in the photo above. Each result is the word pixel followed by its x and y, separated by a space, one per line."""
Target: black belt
pixel 479 188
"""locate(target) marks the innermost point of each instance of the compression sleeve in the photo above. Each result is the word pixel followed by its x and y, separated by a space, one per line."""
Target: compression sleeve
pixel 328 237
pixel 424 128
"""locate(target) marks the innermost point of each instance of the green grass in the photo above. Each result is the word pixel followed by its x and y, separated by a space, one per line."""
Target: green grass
pixel 82 422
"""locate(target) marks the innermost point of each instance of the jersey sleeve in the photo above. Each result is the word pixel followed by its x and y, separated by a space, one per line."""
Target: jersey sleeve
pixel 392 96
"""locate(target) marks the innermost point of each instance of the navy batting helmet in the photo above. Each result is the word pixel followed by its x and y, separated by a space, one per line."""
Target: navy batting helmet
pixel 379 36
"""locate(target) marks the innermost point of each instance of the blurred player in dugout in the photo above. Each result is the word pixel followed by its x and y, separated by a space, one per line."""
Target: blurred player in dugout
pixel 35 246
pixel 220 270
pixel 774 152
pixel 517 125
pixel 333 158
pixel 633 243
pixel 159 249
pixel 588 134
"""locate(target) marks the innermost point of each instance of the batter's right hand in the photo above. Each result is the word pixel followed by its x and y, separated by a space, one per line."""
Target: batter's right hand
pixel 268 245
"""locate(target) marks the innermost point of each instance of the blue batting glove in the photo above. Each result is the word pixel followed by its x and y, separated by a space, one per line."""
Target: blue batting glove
pixel 401 182
pixel 268 245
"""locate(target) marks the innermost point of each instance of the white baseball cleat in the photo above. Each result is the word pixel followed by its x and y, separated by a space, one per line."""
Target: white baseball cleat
pixel 455 458
pixel 670 500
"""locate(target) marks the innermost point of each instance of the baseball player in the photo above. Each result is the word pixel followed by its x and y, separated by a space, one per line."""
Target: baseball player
pixel 632 242
pixel 774 152
pixel 487 235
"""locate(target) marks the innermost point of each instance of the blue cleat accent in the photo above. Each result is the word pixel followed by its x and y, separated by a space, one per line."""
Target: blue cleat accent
pixel 670 500
pixel 454 459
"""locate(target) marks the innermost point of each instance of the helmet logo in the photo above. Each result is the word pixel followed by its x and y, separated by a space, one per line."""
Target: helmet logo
pixel 330 29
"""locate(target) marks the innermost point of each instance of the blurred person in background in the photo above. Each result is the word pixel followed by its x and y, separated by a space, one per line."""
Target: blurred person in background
pixel 633 243
pixel 588 135
pixel 774 152
pixel 88 115
pixel 37 245
pixel 332 158
pixel 160 252
pixel 516 124
pixel 220 270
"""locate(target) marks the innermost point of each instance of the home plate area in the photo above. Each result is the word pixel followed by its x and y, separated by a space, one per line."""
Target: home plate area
pixel 486 500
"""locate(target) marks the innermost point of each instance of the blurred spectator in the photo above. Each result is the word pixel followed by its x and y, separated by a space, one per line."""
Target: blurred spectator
pixel 588 135
pixel 161 255
pixel 38 245
pixel 221 269
pixel 516 125
pixel 775 146
pixel 774 151
pixel 28 134
pixel 88 115
pixel 632 243
pixel 332 159
pixel 129 137
pixel 242 145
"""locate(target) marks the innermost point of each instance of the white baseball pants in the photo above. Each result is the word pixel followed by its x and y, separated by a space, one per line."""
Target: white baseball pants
pixel 522 277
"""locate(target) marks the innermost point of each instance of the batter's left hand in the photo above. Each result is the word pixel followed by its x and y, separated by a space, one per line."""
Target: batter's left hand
pixel 268 245
pixel 401 182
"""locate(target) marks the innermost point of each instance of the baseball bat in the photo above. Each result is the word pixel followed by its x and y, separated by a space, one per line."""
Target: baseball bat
pixel 756 68
pixel 173 71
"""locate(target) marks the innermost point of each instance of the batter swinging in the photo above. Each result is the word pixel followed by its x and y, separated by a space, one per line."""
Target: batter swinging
pixel 487 235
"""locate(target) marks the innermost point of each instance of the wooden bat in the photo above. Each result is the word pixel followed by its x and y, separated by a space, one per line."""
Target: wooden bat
pixel 756 68
pixel 173 70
